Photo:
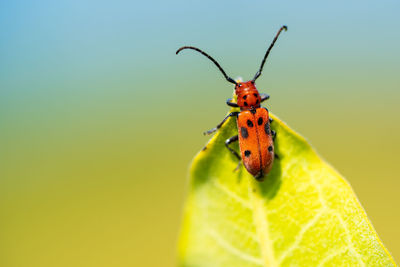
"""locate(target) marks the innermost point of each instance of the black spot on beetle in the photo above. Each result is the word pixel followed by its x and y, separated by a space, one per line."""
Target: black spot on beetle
pixel 267 128
pixel 245 97
pixel 247 153
pixel 245 103
pixel 270 148
pixel 260 121
pixel 250 123
pixel 256 95
pixel 258 101
pixel 244 132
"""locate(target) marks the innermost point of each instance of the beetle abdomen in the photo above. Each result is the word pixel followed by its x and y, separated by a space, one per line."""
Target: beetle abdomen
pixel 255 141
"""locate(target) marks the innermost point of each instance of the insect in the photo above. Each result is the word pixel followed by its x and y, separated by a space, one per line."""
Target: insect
pixel 256 139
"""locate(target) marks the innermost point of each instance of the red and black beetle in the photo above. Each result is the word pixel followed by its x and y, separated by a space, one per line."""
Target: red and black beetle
pixel 256 139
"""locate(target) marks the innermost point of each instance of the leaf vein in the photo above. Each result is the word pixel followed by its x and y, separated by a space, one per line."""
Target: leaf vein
pixel 300 235
pixel 348 239
pixel 342 222
pixel 228 192
pixel 262 228
pixel 231 249
pixel 331 256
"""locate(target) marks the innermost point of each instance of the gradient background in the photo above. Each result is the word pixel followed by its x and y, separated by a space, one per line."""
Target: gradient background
pixel 99 119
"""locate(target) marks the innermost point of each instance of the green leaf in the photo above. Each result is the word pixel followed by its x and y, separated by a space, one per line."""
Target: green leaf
pixel 303 214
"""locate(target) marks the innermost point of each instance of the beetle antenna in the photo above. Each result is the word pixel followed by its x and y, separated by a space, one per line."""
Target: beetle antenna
pixel 229 79
pixel 284 27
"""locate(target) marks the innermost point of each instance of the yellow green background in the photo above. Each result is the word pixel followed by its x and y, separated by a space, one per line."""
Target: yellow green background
pixel 99 119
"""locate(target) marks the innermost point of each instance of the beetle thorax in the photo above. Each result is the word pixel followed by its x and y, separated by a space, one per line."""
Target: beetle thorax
pixel 247 95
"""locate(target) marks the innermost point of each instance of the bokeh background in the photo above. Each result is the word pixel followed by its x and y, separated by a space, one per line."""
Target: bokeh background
pixel 99 119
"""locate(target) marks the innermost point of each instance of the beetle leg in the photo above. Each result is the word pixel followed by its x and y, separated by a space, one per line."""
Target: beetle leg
pixel 264 97
pixel 222 122
pixel 273 135
pixel 270 120
pixel 238 166
pixel 229 103
pixel 228 142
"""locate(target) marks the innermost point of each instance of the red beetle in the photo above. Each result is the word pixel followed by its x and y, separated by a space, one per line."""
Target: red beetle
pixel 256 139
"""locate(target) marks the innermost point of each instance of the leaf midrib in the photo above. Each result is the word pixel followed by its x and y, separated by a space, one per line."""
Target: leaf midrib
pixel 261 223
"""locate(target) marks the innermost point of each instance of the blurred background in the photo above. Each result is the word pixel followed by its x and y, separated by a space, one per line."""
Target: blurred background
pixel 99 119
